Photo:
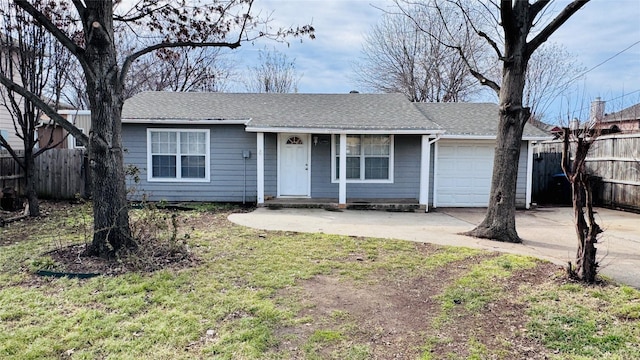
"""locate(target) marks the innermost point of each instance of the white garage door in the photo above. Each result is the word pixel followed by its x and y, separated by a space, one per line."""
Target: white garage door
pixel 464 173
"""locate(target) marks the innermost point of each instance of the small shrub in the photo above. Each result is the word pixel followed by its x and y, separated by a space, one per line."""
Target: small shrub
pixel 156 233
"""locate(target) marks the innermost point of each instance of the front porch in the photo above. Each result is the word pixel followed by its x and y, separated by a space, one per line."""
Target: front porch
pixel 400 205
pixel 308 163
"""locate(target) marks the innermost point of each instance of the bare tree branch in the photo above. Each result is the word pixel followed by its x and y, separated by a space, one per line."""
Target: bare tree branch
pixel 51 113
pixel 564 15
pixel 76 50
pixel 131 58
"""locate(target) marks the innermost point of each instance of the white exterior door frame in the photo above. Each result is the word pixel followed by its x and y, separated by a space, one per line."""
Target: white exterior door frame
pixel 294 165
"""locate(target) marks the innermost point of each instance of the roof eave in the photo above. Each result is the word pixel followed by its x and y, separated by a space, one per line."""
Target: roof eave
pixel 186 121
pixel 492 137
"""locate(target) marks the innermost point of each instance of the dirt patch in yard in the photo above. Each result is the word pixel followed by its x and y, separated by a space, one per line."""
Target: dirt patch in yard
pixel 396 317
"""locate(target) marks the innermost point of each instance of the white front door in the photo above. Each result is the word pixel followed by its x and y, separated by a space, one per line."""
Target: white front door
pixel 294 167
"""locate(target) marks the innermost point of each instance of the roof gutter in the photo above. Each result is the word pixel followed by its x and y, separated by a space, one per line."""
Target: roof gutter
pixel 343 131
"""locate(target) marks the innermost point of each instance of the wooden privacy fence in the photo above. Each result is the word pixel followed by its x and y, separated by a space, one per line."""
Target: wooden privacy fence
pixel 615 159
pixel 60 174
pixel 11 174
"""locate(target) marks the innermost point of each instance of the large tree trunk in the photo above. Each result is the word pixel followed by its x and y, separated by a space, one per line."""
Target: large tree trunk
pixel 500 220
pixel 30 183
pixel 110 208
pixel 111 216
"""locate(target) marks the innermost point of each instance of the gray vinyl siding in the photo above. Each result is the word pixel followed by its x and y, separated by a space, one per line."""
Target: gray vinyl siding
pixel 270 165
pixel 406 172
pixel 227 179
pixel 521 186
pixel 321 186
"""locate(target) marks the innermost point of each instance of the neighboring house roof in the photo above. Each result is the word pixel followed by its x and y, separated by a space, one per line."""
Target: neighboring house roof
pixel 319 113
pixel 471 120
pixel 630 113
pixel 274 112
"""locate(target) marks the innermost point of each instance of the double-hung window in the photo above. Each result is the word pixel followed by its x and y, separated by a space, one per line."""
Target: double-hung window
pixel 178 155
pixel 369 158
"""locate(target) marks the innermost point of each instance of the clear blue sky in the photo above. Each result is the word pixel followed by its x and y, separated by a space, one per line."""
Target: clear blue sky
pixel 599 31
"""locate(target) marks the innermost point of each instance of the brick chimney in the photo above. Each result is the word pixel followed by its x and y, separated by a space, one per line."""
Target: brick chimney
pixel 596 114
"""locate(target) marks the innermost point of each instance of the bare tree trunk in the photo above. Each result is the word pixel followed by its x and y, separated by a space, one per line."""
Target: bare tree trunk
pixel 111 218
pixel 587 264
pixel 30 183
pixel 587 232
pixel 110 208
pixel 500 221
pixel 587 229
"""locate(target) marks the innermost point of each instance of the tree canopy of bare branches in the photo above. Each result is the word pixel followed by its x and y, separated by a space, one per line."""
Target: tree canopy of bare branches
pixel 397 57
pixel 274 73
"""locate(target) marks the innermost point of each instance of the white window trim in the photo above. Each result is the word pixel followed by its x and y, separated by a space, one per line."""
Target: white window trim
pixel 207 168
pixel 71 114
pixel 334 180
pixel 74 141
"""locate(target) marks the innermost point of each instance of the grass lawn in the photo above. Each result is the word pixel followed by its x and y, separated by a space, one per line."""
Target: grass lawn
pixel 279 295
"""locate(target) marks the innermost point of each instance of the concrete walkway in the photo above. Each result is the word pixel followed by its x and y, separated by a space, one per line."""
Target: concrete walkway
pixel 547 233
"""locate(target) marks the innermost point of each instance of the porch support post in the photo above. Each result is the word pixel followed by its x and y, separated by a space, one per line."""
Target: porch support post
pixel 435 176
pixel 529 174
pixel 260 168
pixel 425 157
pixel 342 187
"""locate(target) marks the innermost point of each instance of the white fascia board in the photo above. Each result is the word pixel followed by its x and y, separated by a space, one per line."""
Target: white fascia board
pixel 492 137
pixel 537 138
pixel 74 112
pixel 468 137
pixel 343 131
pixel 187 122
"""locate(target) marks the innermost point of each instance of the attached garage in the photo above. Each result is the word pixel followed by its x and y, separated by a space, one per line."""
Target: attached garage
pixel 463 173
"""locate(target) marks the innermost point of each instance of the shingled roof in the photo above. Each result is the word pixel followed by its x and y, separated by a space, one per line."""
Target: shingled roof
pixel 272 111
pixel 630 113
pixel 316 112
pixel 470 119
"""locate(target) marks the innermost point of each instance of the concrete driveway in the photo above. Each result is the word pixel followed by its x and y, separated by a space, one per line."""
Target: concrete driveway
pixel 547 233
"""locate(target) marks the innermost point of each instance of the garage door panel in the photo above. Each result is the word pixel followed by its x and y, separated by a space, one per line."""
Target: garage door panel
pixel 464 174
